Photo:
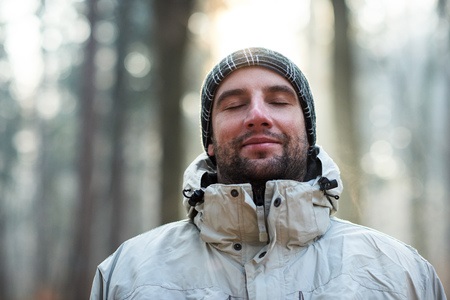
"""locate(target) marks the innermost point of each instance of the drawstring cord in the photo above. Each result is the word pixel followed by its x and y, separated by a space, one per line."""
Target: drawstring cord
pixel 195 198
pixel 325 185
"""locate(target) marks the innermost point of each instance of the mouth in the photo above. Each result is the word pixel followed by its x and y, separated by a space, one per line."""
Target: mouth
pixel 260 141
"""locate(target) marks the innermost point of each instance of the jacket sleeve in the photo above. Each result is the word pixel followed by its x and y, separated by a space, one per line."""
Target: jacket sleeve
pixel 97 290
pixel 102 280
pixel 434 288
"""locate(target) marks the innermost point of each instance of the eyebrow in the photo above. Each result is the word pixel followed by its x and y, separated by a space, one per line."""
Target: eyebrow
pixel 229 93
pixel 281 88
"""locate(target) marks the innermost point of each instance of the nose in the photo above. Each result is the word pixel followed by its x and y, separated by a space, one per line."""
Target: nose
pixel 258 115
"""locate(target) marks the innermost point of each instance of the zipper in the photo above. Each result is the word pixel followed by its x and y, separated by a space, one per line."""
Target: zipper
pixel 258 198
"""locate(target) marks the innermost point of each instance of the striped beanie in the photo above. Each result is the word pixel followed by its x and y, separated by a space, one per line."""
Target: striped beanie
pixel 264 58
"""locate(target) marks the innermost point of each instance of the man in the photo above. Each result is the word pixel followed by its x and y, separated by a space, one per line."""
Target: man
pixel 260 203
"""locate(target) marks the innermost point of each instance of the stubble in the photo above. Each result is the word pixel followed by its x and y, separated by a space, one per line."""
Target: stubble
pixel 291 164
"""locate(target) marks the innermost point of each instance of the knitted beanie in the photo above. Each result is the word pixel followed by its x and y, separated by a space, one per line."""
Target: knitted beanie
pixel 264 58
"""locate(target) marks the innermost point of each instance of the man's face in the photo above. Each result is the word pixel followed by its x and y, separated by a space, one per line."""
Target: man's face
pixel 258 128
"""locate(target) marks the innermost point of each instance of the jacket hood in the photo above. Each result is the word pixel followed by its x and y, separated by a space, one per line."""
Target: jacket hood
pixel 192 180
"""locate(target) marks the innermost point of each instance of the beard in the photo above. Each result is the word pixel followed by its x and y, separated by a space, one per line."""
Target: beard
pixel 291 164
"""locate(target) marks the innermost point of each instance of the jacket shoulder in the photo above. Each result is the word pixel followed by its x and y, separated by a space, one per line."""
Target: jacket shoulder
pixel 162 236
pixel 150 258
pixel 153 243
pixel 364 254
pixel 362 235
pixel 361 239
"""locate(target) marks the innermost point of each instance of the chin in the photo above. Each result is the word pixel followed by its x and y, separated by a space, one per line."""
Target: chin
pixel 261 156
pixel 263 164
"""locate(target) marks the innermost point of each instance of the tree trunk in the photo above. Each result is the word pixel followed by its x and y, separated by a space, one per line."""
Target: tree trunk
pixel 443 10
pixel 348 147
pixel 8 157
pixel 171 39
pixel 119 111
pixel 3 269
pixel 81 280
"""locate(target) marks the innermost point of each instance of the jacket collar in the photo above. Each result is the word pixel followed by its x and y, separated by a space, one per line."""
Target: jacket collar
pixel 293 216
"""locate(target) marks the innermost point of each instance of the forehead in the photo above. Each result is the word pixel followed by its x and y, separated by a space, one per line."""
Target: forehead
pixel 252 77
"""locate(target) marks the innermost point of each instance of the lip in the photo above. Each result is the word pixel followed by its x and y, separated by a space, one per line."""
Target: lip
pixel 258 140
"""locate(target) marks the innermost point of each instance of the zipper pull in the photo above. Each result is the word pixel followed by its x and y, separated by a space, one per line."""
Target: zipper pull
pixel 263 236
pixel 258 198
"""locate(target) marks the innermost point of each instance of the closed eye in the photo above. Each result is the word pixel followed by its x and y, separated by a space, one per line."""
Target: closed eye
pixel 280 102
pixel 281 95
pixel 233 106
pixel 231 99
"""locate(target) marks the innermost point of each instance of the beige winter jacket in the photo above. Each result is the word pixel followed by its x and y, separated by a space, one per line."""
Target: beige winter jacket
pixel 222 253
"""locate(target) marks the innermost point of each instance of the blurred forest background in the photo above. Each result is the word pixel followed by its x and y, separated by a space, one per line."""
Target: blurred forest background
pixel 99 104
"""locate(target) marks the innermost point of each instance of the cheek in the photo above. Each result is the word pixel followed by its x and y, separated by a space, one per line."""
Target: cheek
pixel 294 122
pixel 294 129
pixel 226 129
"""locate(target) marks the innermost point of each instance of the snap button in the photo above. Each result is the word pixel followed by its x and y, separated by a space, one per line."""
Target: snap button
pixel 234 193
pixel 277 202
pixel 237 247
pixel 262 254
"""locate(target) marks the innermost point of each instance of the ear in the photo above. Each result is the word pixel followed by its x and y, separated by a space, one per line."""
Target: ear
pixel 210 149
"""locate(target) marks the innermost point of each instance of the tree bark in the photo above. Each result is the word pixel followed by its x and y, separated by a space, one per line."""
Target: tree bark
pixel 3 269
pixel 118 121
pixel 80 283
pixel 348 147
pixel 443 10
pixel 171 39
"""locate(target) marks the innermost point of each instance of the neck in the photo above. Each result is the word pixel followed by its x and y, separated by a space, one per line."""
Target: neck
pixel 258 193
